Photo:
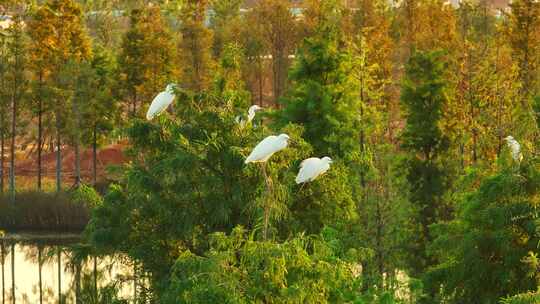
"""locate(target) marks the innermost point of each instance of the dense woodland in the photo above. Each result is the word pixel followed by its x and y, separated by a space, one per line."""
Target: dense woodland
pixel 413 100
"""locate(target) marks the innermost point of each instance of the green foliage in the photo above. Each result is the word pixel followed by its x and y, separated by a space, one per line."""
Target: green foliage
pixel 86 196
pixel 423 99
pixel 483 250
pixel 237 269
pixel 323 97
pixel 536 109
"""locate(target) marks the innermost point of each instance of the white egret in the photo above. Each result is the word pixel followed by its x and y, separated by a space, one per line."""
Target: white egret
pixel 312 168
pixel 267 147
pixel 161 102
pixel 251 114
pixel 515 148
pixel 260 154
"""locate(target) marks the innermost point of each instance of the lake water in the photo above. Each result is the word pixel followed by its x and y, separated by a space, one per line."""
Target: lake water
pixel 63 271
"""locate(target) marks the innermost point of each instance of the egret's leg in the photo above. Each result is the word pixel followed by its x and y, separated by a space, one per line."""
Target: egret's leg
pixel 266 202
pixel 301 187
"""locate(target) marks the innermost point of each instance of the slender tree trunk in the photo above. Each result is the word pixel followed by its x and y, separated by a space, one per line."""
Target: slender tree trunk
pixel 40 131
pixel 260 76
pixel 12 152
pixel 40 265
pixel 2 117
pixel 13 273
pixel 2 151
pixel 76 110
pixel 58 156
pixel 59 256
pixel 94 155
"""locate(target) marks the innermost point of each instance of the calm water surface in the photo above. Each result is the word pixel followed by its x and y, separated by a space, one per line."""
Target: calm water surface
pixel 62 271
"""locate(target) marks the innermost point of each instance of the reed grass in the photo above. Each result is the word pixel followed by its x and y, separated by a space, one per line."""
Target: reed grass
pixel 42 211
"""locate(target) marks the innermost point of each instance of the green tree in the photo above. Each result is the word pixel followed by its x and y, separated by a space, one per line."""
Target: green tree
pixel 324 96
pixel 17 84
pixel 423 102
pixel 483 251
pixel 225 22
pixel 99 112
pixel 238 269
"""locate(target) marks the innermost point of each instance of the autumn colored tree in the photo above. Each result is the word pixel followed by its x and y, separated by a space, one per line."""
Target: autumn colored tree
pixel 524 37
pixel 279 31
pixel 225 22
pixel 146 60
pixel 54 50
pixel 195 44
pixel 17 85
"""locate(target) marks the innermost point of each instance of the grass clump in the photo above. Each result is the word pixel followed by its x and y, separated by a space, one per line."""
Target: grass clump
pixel 44 211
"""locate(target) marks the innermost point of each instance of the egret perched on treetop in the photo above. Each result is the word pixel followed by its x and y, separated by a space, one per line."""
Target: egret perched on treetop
pixel 312 168
pixel 267 147
pixel 260 154
pixel 251 114
pixel 161 102
pixel 515 148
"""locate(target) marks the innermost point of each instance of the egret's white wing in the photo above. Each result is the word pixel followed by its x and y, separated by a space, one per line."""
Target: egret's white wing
pixel 310 169
pixel 264 149
pixel 159 104
pixel 515 148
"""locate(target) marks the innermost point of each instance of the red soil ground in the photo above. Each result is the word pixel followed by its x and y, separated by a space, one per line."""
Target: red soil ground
pixel 107 156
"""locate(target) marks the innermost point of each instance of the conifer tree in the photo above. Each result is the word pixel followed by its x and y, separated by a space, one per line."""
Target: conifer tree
pixel 423 103
pixel 524 37
pixel 17 86
pixel 146 61
pixel 195 44
pixel 324 96
pixel 279 31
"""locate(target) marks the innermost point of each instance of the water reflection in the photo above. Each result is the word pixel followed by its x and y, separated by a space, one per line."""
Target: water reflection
pixel 57 269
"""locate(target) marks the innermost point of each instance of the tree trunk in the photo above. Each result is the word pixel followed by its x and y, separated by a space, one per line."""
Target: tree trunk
pixel 58 157
pixel 12 152
pixel 40 131
pixel 2 152
pixel 94 156
pixel 77 143
pixel 260 76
